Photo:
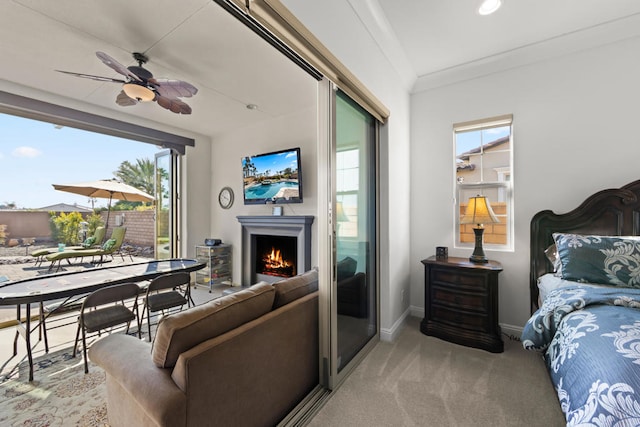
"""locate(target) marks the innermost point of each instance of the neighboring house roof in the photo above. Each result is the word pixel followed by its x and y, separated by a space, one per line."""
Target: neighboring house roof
pixel 466 155
pixel 65 207
pixel 465 166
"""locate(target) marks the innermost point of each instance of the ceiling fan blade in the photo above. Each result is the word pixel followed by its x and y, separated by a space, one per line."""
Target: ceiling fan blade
pixel 172 104
pixel 174 88
pixel 112 63
pixel 123 100
pixel 92 77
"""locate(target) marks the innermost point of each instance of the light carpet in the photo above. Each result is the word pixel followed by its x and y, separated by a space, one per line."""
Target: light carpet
pixel 419 380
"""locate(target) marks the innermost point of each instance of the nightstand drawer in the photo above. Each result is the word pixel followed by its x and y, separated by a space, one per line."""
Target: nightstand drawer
pixel 455 298
pixel 460 280
pixel 460 319
pixel 461 302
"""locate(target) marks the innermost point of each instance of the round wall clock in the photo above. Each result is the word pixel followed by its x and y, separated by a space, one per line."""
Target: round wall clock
pixel 225 198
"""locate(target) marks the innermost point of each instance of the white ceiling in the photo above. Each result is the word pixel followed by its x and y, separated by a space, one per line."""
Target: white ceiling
pixel 191 40
pixel 430 42
pixel 445 40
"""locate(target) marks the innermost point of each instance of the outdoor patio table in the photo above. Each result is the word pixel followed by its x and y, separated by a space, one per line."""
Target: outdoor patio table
pixel 67 285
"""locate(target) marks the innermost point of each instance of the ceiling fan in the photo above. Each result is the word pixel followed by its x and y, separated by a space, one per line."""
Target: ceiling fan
pixel 141 86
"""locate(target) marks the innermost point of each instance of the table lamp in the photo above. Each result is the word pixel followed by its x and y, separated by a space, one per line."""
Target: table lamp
pixel 340 215
pixel 478 212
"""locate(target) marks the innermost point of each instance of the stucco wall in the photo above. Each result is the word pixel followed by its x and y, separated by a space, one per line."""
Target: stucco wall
pixel 35 224
pixel 26 224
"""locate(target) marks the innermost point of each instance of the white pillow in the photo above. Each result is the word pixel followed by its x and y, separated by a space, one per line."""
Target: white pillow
pixel 550 281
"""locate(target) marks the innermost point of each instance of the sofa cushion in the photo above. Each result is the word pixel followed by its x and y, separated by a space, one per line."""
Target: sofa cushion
pixel 181 331
pixel 291 289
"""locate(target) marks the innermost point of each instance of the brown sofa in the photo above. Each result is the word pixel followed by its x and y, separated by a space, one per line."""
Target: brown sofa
pixel 246 359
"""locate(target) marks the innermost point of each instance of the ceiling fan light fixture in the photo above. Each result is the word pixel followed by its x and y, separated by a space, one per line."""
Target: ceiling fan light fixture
pixel 138 92
pixel 487 7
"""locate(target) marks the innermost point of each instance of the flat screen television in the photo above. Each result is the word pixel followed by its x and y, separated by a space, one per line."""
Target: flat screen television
pixel 272 177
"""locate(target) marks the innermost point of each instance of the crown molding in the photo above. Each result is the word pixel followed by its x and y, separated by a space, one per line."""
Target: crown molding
pixel 562 45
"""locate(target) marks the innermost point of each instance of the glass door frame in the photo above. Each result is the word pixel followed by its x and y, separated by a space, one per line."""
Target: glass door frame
pixel 174 203
pixel 330 377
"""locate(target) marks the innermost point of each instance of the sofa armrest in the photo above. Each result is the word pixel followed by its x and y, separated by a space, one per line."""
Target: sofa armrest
pixel 127 361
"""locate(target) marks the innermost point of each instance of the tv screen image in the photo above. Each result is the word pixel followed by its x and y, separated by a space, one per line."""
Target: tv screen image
pixel 272 177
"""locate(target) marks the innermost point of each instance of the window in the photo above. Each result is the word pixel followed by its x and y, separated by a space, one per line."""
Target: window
pixel 348 186
pixel 484 166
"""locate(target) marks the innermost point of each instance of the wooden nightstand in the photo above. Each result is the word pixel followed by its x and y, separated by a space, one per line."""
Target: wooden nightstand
pixel 461 302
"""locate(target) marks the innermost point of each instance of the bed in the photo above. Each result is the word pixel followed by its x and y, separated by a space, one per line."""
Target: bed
pixel 585 304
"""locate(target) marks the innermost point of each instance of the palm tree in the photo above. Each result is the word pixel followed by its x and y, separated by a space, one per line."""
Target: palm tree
pixel 249 168
pixel 139 175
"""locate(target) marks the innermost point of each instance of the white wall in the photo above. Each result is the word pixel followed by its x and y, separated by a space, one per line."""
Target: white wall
pixel 336 25
pixel 297 130
pixel 196 196
pixel 575 132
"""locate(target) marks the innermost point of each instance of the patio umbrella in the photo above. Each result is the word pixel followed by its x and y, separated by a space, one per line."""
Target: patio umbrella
pixel 106 189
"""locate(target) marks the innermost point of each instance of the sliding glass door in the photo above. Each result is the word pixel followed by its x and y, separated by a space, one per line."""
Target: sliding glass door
pixel 355 229
pixel 166 239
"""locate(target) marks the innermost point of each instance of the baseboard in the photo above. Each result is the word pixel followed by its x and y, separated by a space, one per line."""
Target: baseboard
pixel 391 334
pixel 511 330
pixel 415 311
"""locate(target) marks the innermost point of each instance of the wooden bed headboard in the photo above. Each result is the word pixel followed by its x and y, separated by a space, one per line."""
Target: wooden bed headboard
pixel 612 212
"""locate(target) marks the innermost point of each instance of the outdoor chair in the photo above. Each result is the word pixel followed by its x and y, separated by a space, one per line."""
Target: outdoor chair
pixel 165 292
pixel 108 248
pixel 96 240
pixel 104 309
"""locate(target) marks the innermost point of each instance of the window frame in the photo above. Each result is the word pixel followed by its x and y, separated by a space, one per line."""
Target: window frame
pixel 351 192
pixel 504 188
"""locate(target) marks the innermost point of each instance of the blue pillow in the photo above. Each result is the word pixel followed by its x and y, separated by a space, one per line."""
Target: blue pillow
pixel 608 260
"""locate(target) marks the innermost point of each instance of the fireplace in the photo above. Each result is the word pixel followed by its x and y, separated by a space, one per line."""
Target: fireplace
pixel 275 247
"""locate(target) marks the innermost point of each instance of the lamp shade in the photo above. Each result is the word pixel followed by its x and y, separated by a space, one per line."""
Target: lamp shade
pixel 340 215
pixel 479 212
pixel 138 92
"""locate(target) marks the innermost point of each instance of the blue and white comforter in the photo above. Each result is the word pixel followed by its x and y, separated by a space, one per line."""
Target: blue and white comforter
pixel 591 343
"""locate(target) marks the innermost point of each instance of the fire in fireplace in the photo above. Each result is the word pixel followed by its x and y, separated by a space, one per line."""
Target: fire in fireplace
pixel 276 255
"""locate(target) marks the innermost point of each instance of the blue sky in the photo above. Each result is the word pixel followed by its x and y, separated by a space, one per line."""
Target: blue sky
pixel 466 141
pixel 276 162
pixel 34 155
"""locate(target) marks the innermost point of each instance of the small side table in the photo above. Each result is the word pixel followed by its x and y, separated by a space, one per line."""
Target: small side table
pixel 461 302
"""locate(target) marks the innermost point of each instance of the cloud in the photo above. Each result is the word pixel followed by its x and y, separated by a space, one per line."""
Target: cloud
pixel 26 152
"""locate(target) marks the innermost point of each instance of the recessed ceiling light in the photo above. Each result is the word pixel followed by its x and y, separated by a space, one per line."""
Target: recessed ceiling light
pixel 489 6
